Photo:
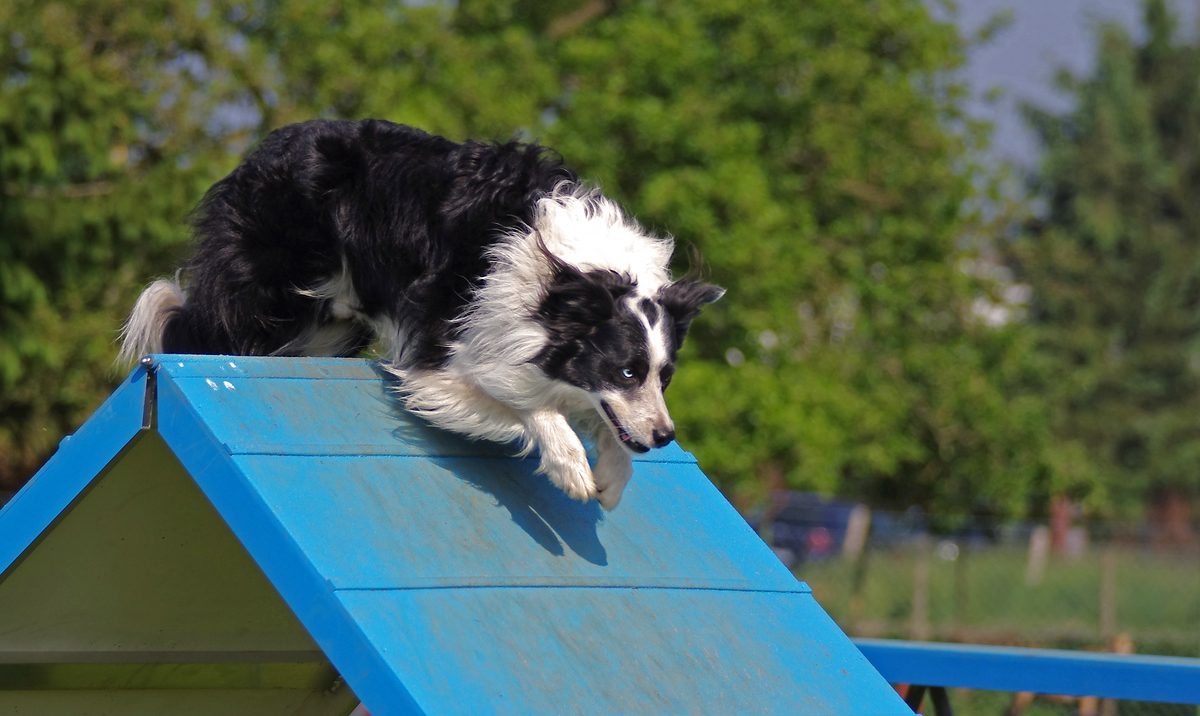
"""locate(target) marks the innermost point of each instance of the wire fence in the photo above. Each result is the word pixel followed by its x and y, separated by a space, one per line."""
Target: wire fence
pixel 987 595
pixel 1099 586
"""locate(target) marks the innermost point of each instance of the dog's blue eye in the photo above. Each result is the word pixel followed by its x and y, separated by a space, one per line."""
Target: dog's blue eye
pixel 627 374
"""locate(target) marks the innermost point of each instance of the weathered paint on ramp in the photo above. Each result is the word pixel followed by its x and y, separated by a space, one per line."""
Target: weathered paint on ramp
pixel 440 575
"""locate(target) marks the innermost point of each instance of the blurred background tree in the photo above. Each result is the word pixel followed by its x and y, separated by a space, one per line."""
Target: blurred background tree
pixel 819 159
pixel 1114 261
pixel 106 138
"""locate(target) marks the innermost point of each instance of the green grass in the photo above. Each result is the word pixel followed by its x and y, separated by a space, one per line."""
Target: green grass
pixel 1158 604
pixel 1158 598
pixel 967 702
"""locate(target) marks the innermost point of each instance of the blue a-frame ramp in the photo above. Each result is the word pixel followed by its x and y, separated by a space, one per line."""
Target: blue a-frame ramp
pixel 267 536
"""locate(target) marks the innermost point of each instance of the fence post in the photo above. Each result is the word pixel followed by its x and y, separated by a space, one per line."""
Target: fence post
pixel 858 588
pixel 919 629
pixel 1039 552
pixel 855 547
pixel 857 528
pixel 1121 644
pixel 960 586
pixel 1108 593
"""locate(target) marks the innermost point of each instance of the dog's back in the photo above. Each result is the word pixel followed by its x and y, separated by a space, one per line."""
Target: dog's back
pixel 510 300
pixel 331 227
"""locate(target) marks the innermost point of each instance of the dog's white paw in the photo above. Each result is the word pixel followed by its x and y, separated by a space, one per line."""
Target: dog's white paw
pixel 573 476
pixel 612 472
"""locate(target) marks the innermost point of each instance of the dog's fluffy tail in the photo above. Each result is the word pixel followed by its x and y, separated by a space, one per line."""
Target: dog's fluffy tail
pixel 143 332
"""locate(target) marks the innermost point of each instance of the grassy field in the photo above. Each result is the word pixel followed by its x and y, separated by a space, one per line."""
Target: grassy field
pixel 982 597
pixel 965 702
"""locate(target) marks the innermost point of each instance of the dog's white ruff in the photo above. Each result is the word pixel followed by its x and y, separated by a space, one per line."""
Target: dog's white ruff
pixel 490 389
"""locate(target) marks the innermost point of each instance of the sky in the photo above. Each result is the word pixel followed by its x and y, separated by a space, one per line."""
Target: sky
pixel 1022 60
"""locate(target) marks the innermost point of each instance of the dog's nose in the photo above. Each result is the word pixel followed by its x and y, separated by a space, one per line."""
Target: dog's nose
pixel 662 437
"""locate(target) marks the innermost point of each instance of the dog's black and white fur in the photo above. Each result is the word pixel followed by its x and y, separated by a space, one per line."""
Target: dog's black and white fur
pixel 511 300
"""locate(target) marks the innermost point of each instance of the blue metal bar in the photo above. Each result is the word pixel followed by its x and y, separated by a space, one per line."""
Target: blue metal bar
pixel 1132 677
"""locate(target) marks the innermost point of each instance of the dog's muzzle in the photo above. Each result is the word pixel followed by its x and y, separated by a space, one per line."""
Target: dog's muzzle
pixel 623 435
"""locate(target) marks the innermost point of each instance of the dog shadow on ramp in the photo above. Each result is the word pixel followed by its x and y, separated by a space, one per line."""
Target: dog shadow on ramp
pixel 554 522
pixel 541 510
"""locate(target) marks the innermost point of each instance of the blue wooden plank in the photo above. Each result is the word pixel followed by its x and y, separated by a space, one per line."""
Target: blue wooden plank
pixel 1044 671
pixel 209 366
pixel 318 417
pixel 620 651
pixel 411 569
pixel 472 521
pixel 310 597
pixel 79 460
pixel 325 407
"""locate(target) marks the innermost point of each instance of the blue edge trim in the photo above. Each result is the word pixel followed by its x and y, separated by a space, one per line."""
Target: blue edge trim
pixel 307 593
pixel 65 478
pixel 1131 677
pixel 68 475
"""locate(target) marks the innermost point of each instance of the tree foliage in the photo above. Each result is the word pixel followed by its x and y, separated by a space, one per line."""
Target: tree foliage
pixel 1115 265
pixel 103 146
pixel 815 154
pixel 810 156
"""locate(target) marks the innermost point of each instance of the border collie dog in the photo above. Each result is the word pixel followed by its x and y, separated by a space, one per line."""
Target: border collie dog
pixel 512 301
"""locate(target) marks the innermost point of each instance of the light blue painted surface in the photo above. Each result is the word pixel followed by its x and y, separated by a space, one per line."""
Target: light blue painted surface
pixel 1132 677
pixel 619 651
pixel 444 576
pixel 319 406
pixel 464 522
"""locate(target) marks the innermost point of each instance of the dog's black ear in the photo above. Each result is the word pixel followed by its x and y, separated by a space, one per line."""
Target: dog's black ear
pixel 577 299
pixel 682 301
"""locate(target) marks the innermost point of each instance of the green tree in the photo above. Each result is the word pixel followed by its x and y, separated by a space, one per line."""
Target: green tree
pixel 102 149
pixel 1115 267
pixel 817 157
pixel 809 156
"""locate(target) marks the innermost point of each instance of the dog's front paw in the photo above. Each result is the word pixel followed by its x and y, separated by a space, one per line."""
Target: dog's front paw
pixel 612 472
pixel 574 477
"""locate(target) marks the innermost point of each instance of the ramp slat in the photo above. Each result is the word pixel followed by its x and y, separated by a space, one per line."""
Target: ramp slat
pixel 439 575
